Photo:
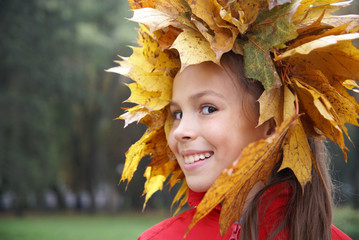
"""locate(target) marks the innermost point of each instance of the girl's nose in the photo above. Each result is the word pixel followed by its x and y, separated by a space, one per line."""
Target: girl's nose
pixel 186 129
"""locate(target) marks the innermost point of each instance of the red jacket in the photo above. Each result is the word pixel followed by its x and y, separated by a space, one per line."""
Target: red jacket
pixel 208 228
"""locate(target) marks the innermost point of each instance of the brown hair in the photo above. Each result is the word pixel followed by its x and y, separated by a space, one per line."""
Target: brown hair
pixel 308 214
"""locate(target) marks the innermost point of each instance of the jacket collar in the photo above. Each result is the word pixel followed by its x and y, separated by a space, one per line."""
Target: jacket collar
pixel 194 198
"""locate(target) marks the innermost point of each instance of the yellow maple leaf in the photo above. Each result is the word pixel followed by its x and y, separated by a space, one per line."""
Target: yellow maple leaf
pixel 271 106
pixel 193 48
pixel 322 115
pixel 310 33
pixel 151 100
pixel 156 174
pixel 297 154
pixel 320 45
pixel 315 7
pixel 155 19
pixel 345 106
pixel 136 152
pixel 241 13
pixel 134 114
pixel 218 32
pixel 277 103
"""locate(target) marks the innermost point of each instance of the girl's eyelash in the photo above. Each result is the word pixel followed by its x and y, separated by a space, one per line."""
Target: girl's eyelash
pixel 204 109
pixel 208 109
pixel 176 115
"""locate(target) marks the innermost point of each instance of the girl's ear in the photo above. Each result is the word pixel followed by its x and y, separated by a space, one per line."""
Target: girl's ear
pixel 270 127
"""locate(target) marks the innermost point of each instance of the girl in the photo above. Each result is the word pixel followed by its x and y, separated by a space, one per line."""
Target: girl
pixel 249 152
pixel 215 116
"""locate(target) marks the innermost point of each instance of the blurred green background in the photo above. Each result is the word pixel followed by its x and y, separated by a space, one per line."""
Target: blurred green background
pixel 61 151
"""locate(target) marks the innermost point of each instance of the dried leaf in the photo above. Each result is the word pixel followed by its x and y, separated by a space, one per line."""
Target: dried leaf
pixel 297 154
pixel 193 48
pixel 134 114
pixel 151 100
pixel 137 151
pixel 164 14
pixel 352 21
pixel 254 59
pixel 334 56
pixel 272 28
pixel 154 19
pixel 218 32
pixel 312 35
pixel 278 103
pixel 345 106
pixel 320 45
pixel 241 13
pixel 322 114
pixel 314 11
pixel 306 5
pixel 156 175
pixel 271 106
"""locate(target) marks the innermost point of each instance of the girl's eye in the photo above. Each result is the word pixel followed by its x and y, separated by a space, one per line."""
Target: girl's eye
pixel 177 115
pixel 208 110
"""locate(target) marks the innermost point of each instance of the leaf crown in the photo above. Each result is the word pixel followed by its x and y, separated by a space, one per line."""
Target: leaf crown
pixel 307 69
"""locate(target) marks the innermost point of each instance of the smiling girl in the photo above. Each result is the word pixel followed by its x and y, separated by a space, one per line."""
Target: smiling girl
pixel 210 126
pixel 238 115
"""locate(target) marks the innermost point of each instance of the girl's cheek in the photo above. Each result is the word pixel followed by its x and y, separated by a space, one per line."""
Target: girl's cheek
pixel 172 141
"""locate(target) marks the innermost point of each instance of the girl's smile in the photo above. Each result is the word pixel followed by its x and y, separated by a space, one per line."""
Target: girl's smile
pixel 210 128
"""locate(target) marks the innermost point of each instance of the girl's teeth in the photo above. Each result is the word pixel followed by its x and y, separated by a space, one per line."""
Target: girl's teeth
pixel 195 158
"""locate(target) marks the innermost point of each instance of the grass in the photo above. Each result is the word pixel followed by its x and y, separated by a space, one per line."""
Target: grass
pixel 347 220
pixel 127 226
pixel 74 227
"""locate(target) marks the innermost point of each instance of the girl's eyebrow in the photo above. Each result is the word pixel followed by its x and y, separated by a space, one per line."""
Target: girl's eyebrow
pixel 206 92
pixel 199 95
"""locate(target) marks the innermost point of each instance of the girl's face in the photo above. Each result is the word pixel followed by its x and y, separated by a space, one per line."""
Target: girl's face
pixel 210 127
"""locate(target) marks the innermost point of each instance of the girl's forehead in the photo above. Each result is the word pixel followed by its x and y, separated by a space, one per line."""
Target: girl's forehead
pixel 207 72
pixel 205 77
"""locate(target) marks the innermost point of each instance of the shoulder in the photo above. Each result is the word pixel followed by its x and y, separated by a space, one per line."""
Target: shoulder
pixel 338 235
pixel 168 228
pixel 175 228
pixel 272 209
pixel 274 201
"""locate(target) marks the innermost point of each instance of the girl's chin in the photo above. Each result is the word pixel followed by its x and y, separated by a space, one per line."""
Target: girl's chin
pixel 198 185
